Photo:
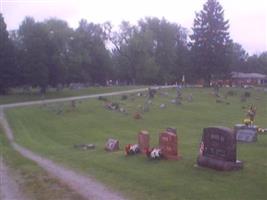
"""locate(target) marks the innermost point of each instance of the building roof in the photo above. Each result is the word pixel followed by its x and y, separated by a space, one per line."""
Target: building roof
pixel 248 75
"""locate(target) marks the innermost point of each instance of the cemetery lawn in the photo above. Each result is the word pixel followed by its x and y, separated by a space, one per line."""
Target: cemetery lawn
pixel 17 95
pixel 52 134
pixel 34 182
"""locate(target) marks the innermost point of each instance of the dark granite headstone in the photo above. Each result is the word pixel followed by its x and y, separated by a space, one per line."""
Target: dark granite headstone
pixel 143 141
pixel 168 145
pixel 246 133
pixel 112 145
pixel 218 149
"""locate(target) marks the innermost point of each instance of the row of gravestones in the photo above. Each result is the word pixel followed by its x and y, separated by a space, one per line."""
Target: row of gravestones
pixel 217 148
pixel 167 143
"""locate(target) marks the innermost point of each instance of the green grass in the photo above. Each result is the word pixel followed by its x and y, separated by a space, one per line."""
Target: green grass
pixel 17 95
pixel 33 181
pixel 41 129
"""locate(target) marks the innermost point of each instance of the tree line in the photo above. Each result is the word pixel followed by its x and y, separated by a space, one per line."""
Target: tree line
pixel 154 51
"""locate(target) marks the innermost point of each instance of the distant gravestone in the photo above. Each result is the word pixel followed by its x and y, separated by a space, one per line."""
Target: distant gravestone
pixel 162 106
pixel 112 145
pixel 218 149
pixel 168 145
pixel 190 97
pixel 143 141
pixel 171 130
pixel 246 133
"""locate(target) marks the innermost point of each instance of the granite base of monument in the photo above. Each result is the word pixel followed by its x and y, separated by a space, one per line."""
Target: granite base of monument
pixel 221 165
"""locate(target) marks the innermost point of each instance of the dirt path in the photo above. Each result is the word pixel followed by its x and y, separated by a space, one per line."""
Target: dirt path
pixel 84 185
pixel 9 189
pixel 30 103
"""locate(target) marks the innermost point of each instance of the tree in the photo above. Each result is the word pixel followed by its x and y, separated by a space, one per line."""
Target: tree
pixel 122 53
pixel 210 42
pixel 238 58
pixel 151 52
pixel 168 46
pixel 34 53
pixel 257 63
pixel 7 56
pixel 59 37
pixel 89 59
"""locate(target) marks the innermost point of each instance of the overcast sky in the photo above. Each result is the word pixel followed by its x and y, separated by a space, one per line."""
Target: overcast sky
pixel 248 18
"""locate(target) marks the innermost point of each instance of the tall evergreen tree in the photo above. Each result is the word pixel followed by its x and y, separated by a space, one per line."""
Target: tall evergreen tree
pixel 7 56
pixel 210 42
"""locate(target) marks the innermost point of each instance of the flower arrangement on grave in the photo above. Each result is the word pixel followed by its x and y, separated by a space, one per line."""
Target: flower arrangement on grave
pixel 154 153
pixel 251 113
pixel 248 122
pixel 201 148
pixel 262 130
pixel 131 149
pixel 112 106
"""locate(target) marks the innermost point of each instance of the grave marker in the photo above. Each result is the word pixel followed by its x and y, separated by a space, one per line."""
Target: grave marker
pixel 143 141
pixel 112 145
pixel 246 133
pixel 168 145
pixel 218 149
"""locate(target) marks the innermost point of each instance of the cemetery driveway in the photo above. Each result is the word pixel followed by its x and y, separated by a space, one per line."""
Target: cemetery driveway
pixel 83 184
pixel 9 189
pixel 30 103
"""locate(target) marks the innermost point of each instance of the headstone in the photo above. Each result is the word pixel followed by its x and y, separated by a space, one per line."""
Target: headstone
pixel 143 141
pixel 168 145
pixel 162 106
pixel 151 93
pixel 146 106
pixel 216 90
pixel 173 101
pixel 112 145
pixel 246 133
pixel 73 104
pixel 171 130
pixel 190 97
pixel 218 149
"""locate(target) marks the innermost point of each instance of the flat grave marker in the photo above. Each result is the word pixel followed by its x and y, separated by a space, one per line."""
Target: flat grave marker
pixel 246 133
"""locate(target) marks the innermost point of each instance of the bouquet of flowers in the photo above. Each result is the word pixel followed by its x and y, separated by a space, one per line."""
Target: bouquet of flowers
pixel 131 149
pixel 154 153
pixel 262 130
pixel 248 122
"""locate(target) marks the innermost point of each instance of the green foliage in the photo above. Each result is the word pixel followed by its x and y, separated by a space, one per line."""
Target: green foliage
pixel 137 177
pixel 89 59
pixel 154 51
pixel 7 56
pixel 211 42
